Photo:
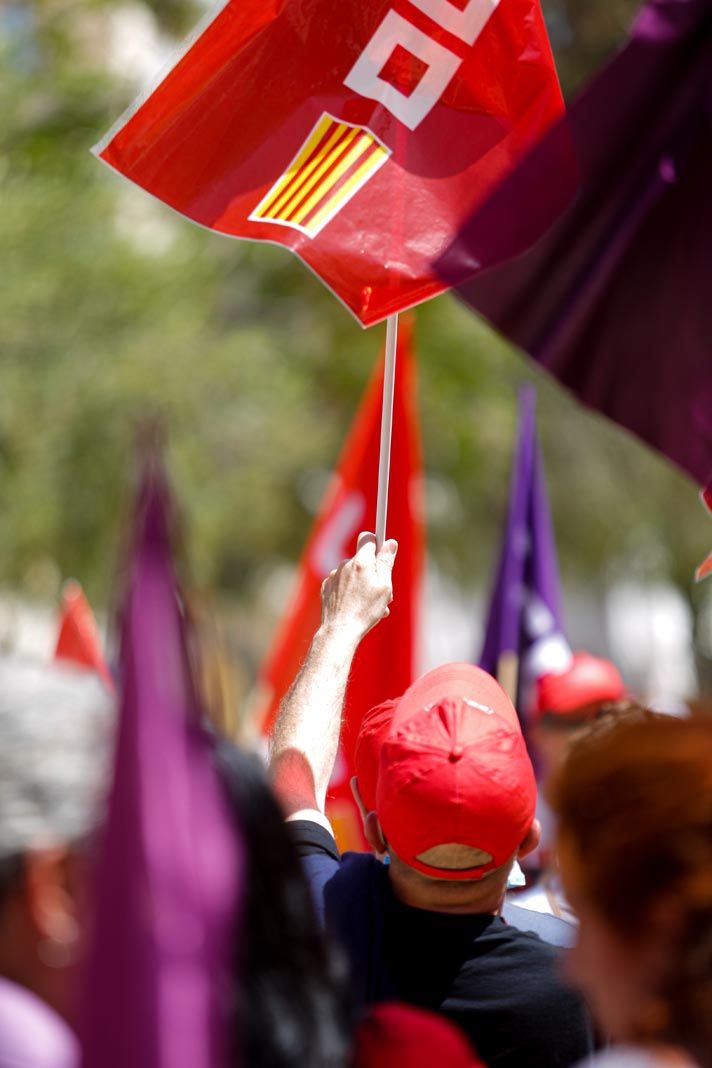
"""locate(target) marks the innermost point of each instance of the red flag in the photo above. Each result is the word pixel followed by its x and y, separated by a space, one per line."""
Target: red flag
pixel 360 134
pixel 705 569
pixel 78 639
pixel 385 664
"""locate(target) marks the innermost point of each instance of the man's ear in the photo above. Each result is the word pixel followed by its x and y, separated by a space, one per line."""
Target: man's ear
pixel 374 834
pixel 358 799
pixel 50 896
pixel 531 840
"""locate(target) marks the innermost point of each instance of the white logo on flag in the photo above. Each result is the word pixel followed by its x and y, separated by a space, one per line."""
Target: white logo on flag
pixel 335 541
pixel 441 63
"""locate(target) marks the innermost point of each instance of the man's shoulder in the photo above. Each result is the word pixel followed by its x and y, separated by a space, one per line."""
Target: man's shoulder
pixel 519 945
pixel 551 929
pixel 501 984
pixel 525 969
pixel 337 881
pixel 313 838
pixel 514 981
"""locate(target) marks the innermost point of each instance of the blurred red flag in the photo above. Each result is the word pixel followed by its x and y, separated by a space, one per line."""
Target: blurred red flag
pixel 385 664
pixel 78 639
pixel 360 134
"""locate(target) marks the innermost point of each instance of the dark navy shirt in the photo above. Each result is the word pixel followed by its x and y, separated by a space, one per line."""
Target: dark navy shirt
pixel 501 984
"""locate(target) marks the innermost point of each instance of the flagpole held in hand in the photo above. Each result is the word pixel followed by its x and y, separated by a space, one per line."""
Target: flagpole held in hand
pixel 508 674
pixel 384 462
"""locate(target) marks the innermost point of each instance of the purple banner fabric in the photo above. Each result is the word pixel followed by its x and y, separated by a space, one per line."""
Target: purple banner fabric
pixel 525 617
pixel 615 299
pixel 169 867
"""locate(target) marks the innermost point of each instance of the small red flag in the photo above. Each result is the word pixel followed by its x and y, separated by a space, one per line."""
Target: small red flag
pixel 385 664
pixel 360 134
pixel 78 639
pixel 705 569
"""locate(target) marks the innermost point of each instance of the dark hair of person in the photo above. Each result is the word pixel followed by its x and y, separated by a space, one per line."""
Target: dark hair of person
pixel 635 803
pixel 11 869
pixel 292 1004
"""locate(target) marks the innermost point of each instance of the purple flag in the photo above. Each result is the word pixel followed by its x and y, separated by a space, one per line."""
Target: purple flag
pixel 169 866
pixel 524 637
pixel 615 299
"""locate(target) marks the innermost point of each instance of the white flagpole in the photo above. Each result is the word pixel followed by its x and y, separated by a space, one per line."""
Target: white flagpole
pixel 384 463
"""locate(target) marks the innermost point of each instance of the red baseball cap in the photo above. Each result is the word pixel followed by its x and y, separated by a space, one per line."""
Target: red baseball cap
pixel 393 1034
pixel 454 772
pixel 367 754
pixel 588 681
pixel 453 678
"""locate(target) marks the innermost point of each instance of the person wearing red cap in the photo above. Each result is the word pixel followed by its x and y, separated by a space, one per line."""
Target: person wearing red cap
pixel 566 703
pixel 374 731
pixel 569 699
pixel 453 807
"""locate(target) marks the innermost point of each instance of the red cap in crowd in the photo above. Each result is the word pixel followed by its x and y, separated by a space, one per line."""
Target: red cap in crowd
pixel 589 681
pixel 394 1035
pixel 454 771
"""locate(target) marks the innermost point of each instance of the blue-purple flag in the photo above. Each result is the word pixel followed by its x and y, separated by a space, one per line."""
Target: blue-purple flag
pixel 160 965
pixel 615 299
pixel 524 635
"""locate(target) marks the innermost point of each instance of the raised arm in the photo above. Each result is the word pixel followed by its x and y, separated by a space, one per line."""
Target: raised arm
pixel 306 735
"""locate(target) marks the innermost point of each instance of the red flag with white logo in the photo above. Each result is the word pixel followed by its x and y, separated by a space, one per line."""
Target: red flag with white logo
pixel 360 134
pixel 385 664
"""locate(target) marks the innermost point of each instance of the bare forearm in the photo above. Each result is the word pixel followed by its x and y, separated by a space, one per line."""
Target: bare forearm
pixel 306 735
pixel 354 597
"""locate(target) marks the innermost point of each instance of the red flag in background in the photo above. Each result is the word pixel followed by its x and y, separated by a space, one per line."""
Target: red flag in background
pixel 385 664
pixel 360 134
pixel 78 639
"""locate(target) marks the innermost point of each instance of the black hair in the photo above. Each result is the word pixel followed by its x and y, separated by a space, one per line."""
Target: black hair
pixel 291 1000
pixel 11 870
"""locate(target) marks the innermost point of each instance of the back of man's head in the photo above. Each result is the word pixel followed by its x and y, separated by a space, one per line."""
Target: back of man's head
pixel 55 725
pixel 455 793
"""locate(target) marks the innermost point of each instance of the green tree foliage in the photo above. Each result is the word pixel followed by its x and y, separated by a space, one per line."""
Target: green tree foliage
pixel 112 308
pixel 584 34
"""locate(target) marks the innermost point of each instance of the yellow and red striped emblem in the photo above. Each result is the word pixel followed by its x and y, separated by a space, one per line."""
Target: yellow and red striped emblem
pixel 335 161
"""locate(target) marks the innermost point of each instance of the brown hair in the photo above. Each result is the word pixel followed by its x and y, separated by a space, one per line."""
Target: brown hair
pixel 636 804
pixel 604 712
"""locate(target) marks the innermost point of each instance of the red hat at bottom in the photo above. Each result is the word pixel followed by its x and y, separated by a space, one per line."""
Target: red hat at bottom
pixel 398 1036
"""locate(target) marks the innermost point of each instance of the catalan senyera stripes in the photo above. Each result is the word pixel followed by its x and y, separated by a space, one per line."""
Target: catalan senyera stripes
pixel 335 161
